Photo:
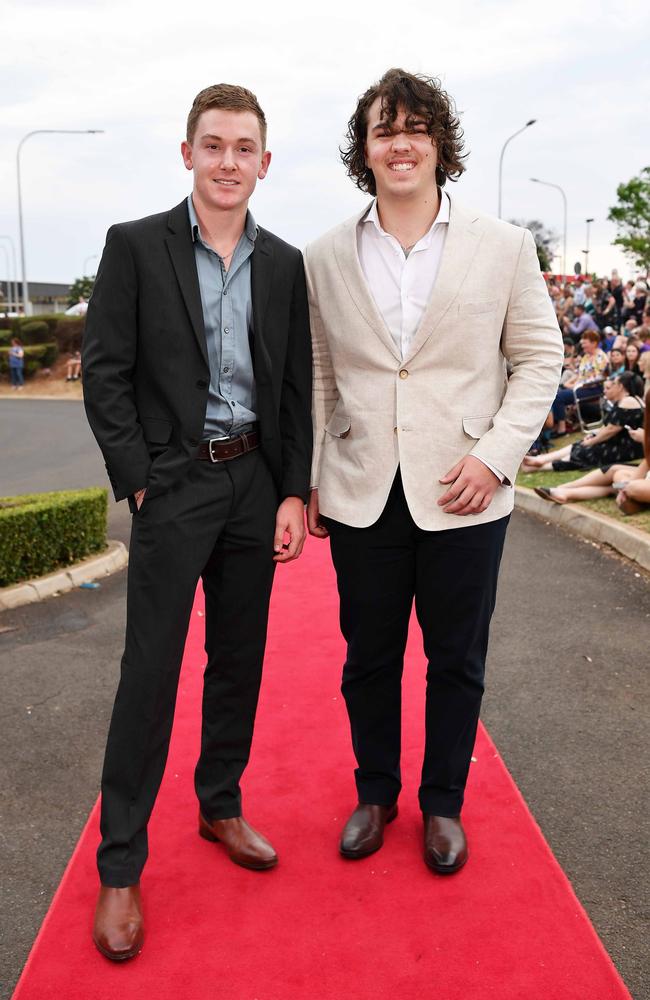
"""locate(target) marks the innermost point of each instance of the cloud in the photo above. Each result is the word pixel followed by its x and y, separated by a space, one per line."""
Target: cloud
pixel 134 67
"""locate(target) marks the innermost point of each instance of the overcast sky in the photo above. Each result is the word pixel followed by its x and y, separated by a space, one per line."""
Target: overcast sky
pixel 133 68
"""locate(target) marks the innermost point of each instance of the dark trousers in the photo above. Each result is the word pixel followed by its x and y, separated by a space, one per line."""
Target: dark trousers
pixel 218 524
pixel 452 574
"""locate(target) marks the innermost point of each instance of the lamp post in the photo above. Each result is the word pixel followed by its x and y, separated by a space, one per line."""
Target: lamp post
pixel 94 256
pixel 4 251
pixel 557 187
pixel 513 136
pixel 14 270
pixel 586 252
pixel 40 131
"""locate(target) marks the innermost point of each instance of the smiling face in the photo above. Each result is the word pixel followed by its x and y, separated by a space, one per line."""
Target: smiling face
pixel 227 158
pixel 402 156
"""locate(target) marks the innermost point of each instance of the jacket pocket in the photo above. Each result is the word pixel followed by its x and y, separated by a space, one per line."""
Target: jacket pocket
pixel 476 308
pixel 156 430
pixel 476 427
pixel 338 425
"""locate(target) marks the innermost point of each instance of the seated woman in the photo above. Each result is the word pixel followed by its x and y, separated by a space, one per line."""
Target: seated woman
pixel 611 443
pixel 630 483
pixel 616 361
pixel 592 369
pixel 632 356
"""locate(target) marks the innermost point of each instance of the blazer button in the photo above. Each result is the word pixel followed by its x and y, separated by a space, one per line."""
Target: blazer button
pixel 201 384
pixel 403 373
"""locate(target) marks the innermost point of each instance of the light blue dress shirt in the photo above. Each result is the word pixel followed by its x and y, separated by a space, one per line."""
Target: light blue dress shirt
pixel 227 316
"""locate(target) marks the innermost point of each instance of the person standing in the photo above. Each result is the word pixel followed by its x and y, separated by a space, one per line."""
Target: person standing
pixel 417 444
pixel 17 364
pixel 197 386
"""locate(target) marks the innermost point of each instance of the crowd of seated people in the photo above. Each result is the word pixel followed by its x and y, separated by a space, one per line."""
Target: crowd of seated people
pixel 606 330
pixel 629 483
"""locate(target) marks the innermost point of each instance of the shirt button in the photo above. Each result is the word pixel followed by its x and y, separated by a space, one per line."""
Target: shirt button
pixel 403 373
pixel 226 329
pixel 225 291
pixel 226 370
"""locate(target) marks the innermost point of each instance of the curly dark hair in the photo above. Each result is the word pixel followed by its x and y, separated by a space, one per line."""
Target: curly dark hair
pixel 418 95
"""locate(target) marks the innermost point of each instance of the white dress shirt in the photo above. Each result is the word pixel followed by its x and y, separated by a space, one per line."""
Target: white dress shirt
pixel 401 284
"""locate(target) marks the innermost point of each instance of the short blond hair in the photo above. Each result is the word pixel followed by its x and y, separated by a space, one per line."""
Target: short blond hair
pixel 227 97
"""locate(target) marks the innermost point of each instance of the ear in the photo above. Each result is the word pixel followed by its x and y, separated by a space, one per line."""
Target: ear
pixel 264 166
pixel 186 153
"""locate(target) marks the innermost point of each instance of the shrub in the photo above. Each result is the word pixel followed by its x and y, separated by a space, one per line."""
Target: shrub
pixel 34 332
pixel 69 333
pixel 42 532
pixel 36 357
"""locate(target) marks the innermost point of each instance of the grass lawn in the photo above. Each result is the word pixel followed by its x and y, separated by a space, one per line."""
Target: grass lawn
pixel 604 506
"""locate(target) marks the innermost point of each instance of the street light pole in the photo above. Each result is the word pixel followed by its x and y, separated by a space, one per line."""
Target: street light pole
pixel 557 187
pixel 586 252
pixel 8 283
pixel 94 256
pixel 14 270
pixel 513 136
pixel 39 131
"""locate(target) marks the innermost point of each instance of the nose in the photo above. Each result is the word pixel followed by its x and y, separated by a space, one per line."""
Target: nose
pixel 227 159
pixel 401 141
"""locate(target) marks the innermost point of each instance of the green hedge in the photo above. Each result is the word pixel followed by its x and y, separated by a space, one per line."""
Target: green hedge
pixel 36 357
pixel 41 532
pixel 36 331
pixel 67 331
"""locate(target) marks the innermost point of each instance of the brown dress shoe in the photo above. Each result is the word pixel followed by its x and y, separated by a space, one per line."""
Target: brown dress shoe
pixel 363 834
pixel 445 845
pixel 245 846
pixel 119 929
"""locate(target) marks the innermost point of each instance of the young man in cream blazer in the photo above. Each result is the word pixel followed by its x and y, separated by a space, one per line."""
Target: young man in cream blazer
pixel 417 306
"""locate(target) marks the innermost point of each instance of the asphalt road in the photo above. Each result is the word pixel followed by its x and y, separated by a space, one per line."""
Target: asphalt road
pixel 567 704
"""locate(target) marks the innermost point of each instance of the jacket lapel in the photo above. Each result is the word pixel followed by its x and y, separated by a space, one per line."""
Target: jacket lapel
pixel 347 256
pixel 181 250
pixel 261 277
pixel 462 241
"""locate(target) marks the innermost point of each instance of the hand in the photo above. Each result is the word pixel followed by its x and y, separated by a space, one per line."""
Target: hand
pixel 316 527
pixel 636 433
pixel 139 497
pixel 290 520
pixel 472 487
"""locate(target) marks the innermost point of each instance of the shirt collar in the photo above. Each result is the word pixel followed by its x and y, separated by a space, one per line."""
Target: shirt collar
pixel 441 219
pixel 250 226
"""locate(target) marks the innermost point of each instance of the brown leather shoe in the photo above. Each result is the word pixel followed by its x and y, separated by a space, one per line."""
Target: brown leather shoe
pixel 445 844
pixel 245 846
pixel 118 931
pixel 363 834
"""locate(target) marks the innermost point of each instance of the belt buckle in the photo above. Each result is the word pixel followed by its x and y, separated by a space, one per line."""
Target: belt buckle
pixel 214 441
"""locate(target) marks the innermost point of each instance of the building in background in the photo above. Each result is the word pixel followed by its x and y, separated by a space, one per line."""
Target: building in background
pixel 45 296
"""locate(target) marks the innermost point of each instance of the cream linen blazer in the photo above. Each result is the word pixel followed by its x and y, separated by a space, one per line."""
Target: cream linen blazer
pixel 374 410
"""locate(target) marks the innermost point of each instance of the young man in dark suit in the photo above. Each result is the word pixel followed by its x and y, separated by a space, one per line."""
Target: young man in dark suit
pixel 197 382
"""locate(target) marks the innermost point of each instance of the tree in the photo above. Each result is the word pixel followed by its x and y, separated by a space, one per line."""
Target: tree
pixel 632 218
pixel 82 286
pixel 545 240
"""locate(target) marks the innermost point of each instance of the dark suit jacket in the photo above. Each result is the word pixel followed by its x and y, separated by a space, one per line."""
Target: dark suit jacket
pixel 145 362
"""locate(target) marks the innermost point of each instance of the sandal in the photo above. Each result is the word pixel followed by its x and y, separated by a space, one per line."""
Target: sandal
pixel 545 493
pixel 628 506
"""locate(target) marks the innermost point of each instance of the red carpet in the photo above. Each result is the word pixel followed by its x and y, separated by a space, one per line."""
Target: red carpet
pixel 317 927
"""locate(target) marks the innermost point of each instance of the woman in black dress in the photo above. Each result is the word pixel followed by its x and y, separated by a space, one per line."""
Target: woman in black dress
pixel 610 444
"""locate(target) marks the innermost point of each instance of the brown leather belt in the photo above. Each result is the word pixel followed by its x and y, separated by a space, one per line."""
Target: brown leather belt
pixel 223 449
